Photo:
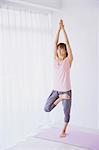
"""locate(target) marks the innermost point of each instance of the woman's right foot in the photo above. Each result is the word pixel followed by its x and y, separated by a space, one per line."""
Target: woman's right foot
pixel 64 96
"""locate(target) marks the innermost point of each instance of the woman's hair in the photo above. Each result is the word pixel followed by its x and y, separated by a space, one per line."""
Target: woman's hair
pixel 62 45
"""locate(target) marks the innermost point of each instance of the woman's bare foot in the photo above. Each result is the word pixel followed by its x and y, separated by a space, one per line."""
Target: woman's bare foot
pixel 57 101
pixel 63 134
pixel 64 96
pixel 61 97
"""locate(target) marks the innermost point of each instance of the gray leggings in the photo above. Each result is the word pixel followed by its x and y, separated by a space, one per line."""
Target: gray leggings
pixel 66 103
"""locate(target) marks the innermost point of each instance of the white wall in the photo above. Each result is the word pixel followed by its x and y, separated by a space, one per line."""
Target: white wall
pixel 80 23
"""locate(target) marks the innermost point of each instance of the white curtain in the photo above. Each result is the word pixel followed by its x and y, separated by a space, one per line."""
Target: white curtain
pixel 26 59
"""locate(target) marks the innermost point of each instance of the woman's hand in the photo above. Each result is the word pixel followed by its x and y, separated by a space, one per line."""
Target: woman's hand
pixel 61 24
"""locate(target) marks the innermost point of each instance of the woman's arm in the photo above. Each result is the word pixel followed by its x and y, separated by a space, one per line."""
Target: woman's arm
pixel 57 40
pixel 69 50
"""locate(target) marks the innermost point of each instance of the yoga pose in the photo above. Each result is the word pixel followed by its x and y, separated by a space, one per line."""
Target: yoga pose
pixel 62 91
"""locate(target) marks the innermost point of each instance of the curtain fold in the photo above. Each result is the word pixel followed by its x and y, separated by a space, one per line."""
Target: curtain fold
pixel 25 72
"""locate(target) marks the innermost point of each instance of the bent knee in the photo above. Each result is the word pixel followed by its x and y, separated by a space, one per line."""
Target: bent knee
pixel 46 109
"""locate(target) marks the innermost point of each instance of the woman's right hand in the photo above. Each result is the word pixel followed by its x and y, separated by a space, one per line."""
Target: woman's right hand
pixel 61 24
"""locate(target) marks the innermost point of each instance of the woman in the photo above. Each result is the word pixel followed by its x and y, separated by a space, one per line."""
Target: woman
pixel 62 91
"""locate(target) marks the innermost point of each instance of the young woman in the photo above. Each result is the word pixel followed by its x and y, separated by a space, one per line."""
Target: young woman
pixel 62 91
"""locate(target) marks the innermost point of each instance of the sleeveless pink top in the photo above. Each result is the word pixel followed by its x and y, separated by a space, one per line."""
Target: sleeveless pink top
pixel 62 75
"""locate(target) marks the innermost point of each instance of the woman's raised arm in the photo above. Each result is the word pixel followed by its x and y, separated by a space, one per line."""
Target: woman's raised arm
pixel 69 50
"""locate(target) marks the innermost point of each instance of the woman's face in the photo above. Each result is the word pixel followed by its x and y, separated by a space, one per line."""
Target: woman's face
pixel 61 53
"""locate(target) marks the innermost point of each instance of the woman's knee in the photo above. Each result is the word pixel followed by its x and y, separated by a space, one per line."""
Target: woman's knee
pixel 47 109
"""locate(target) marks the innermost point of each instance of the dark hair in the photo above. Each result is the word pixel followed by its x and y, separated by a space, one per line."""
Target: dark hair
pixel 62 45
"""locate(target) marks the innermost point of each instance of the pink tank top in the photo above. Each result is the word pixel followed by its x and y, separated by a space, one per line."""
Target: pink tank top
pixel 62 75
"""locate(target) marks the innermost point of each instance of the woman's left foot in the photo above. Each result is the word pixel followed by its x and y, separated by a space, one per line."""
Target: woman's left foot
pixel 63 134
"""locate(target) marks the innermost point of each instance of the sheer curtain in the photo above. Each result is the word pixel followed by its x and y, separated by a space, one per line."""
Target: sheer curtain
pixel 26 60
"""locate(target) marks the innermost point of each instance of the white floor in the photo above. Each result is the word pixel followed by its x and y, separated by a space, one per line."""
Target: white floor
pixel 31 143
pixel 39 144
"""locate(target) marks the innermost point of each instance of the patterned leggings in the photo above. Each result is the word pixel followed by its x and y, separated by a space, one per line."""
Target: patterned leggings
pixel 66 103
